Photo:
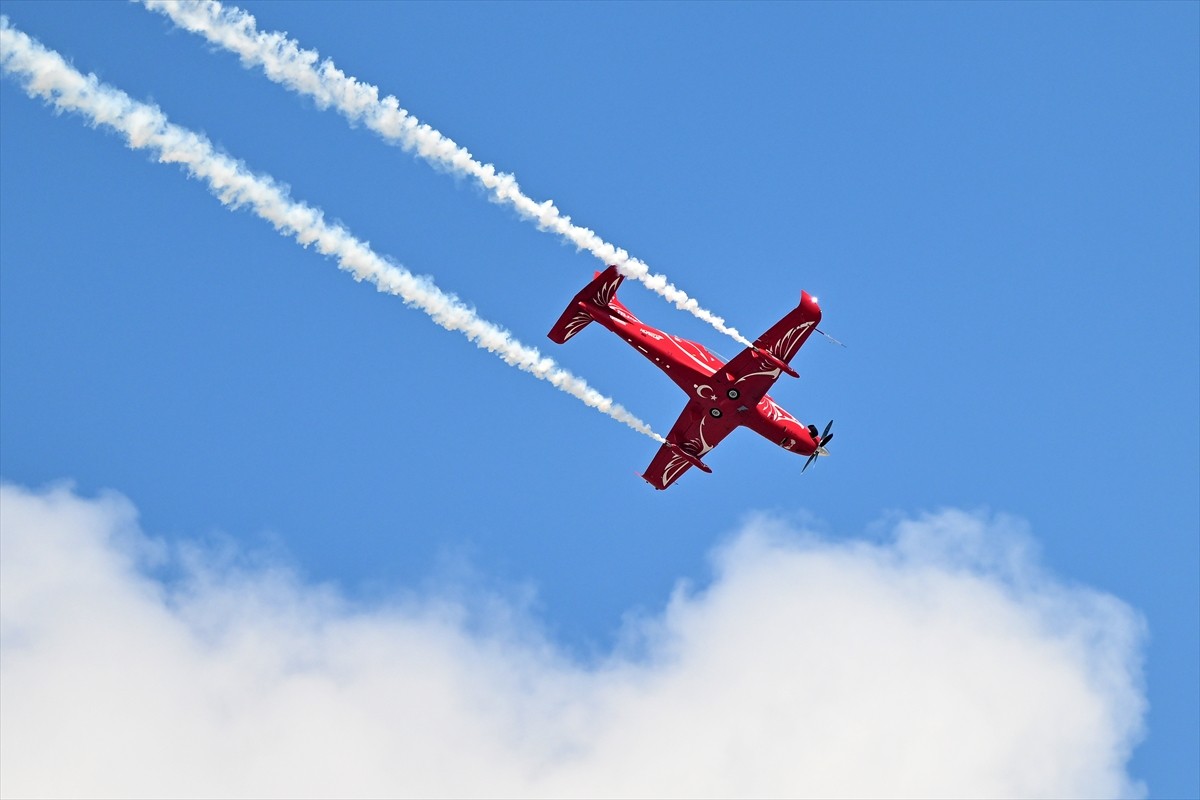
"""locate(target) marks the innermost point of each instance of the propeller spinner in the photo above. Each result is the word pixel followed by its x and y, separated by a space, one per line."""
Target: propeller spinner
pixel 825 438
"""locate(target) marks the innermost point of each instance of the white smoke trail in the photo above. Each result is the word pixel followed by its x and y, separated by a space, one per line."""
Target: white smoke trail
pixel 43 73
pixel 284 62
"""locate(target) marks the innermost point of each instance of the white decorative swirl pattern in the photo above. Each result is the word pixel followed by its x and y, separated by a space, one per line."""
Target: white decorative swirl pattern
pixel 607 291
pixel 775 413
pixel 703 446
pixel 577 323
pixel 787 345
pixel 768 373
pixel 675 467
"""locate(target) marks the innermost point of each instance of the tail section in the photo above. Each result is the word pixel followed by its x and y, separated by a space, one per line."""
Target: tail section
pixel 600 293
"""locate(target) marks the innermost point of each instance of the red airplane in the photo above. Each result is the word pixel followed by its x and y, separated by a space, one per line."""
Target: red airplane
pixel 721 396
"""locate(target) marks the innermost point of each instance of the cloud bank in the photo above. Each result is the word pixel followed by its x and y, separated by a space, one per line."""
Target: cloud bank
pixel 940 661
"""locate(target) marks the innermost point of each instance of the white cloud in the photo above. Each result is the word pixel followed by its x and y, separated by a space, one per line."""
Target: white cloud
pixel 941 662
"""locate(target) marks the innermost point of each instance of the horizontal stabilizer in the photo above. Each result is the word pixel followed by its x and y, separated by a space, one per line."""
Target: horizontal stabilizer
pixel 598 294
pixel 572 321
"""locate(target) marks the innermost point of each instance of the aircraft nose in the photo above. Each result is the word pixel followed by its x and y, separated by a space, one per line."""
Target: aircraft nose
pixel 804 442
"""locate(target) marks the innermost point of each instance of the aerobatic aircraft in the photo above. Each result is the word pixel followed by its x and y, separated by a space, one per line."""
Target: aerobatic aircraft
pixel 721 396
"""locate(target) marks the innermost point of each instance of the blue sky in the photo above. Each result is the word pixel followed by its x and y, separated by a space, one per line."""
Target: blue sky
pixel 997 205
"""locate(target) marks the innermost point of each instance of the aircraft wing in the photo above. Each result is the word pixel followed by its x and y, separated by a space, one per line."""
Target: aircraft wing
pixel 691 437
pixel 754 370
pixel 785 337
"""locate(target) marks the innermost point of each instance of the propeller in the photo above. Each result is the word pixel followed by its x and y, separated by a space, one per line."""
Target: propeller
pixel 825 438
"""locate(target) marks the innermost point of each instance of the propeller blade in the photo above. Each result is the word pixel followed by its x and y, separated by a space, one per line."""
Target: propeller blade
pixel 825 432
pixel 811 459
pixel 826 439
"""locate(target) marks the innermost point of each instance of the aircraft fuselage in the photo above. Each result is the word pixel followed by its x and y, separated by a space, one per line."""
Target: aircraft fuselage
pixel 700 374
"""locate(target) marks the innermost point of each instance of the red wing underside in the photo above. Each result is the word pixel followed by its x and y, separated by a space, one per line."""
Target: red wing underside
pixel 751 372
pixel 695 432
pixel 786 336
